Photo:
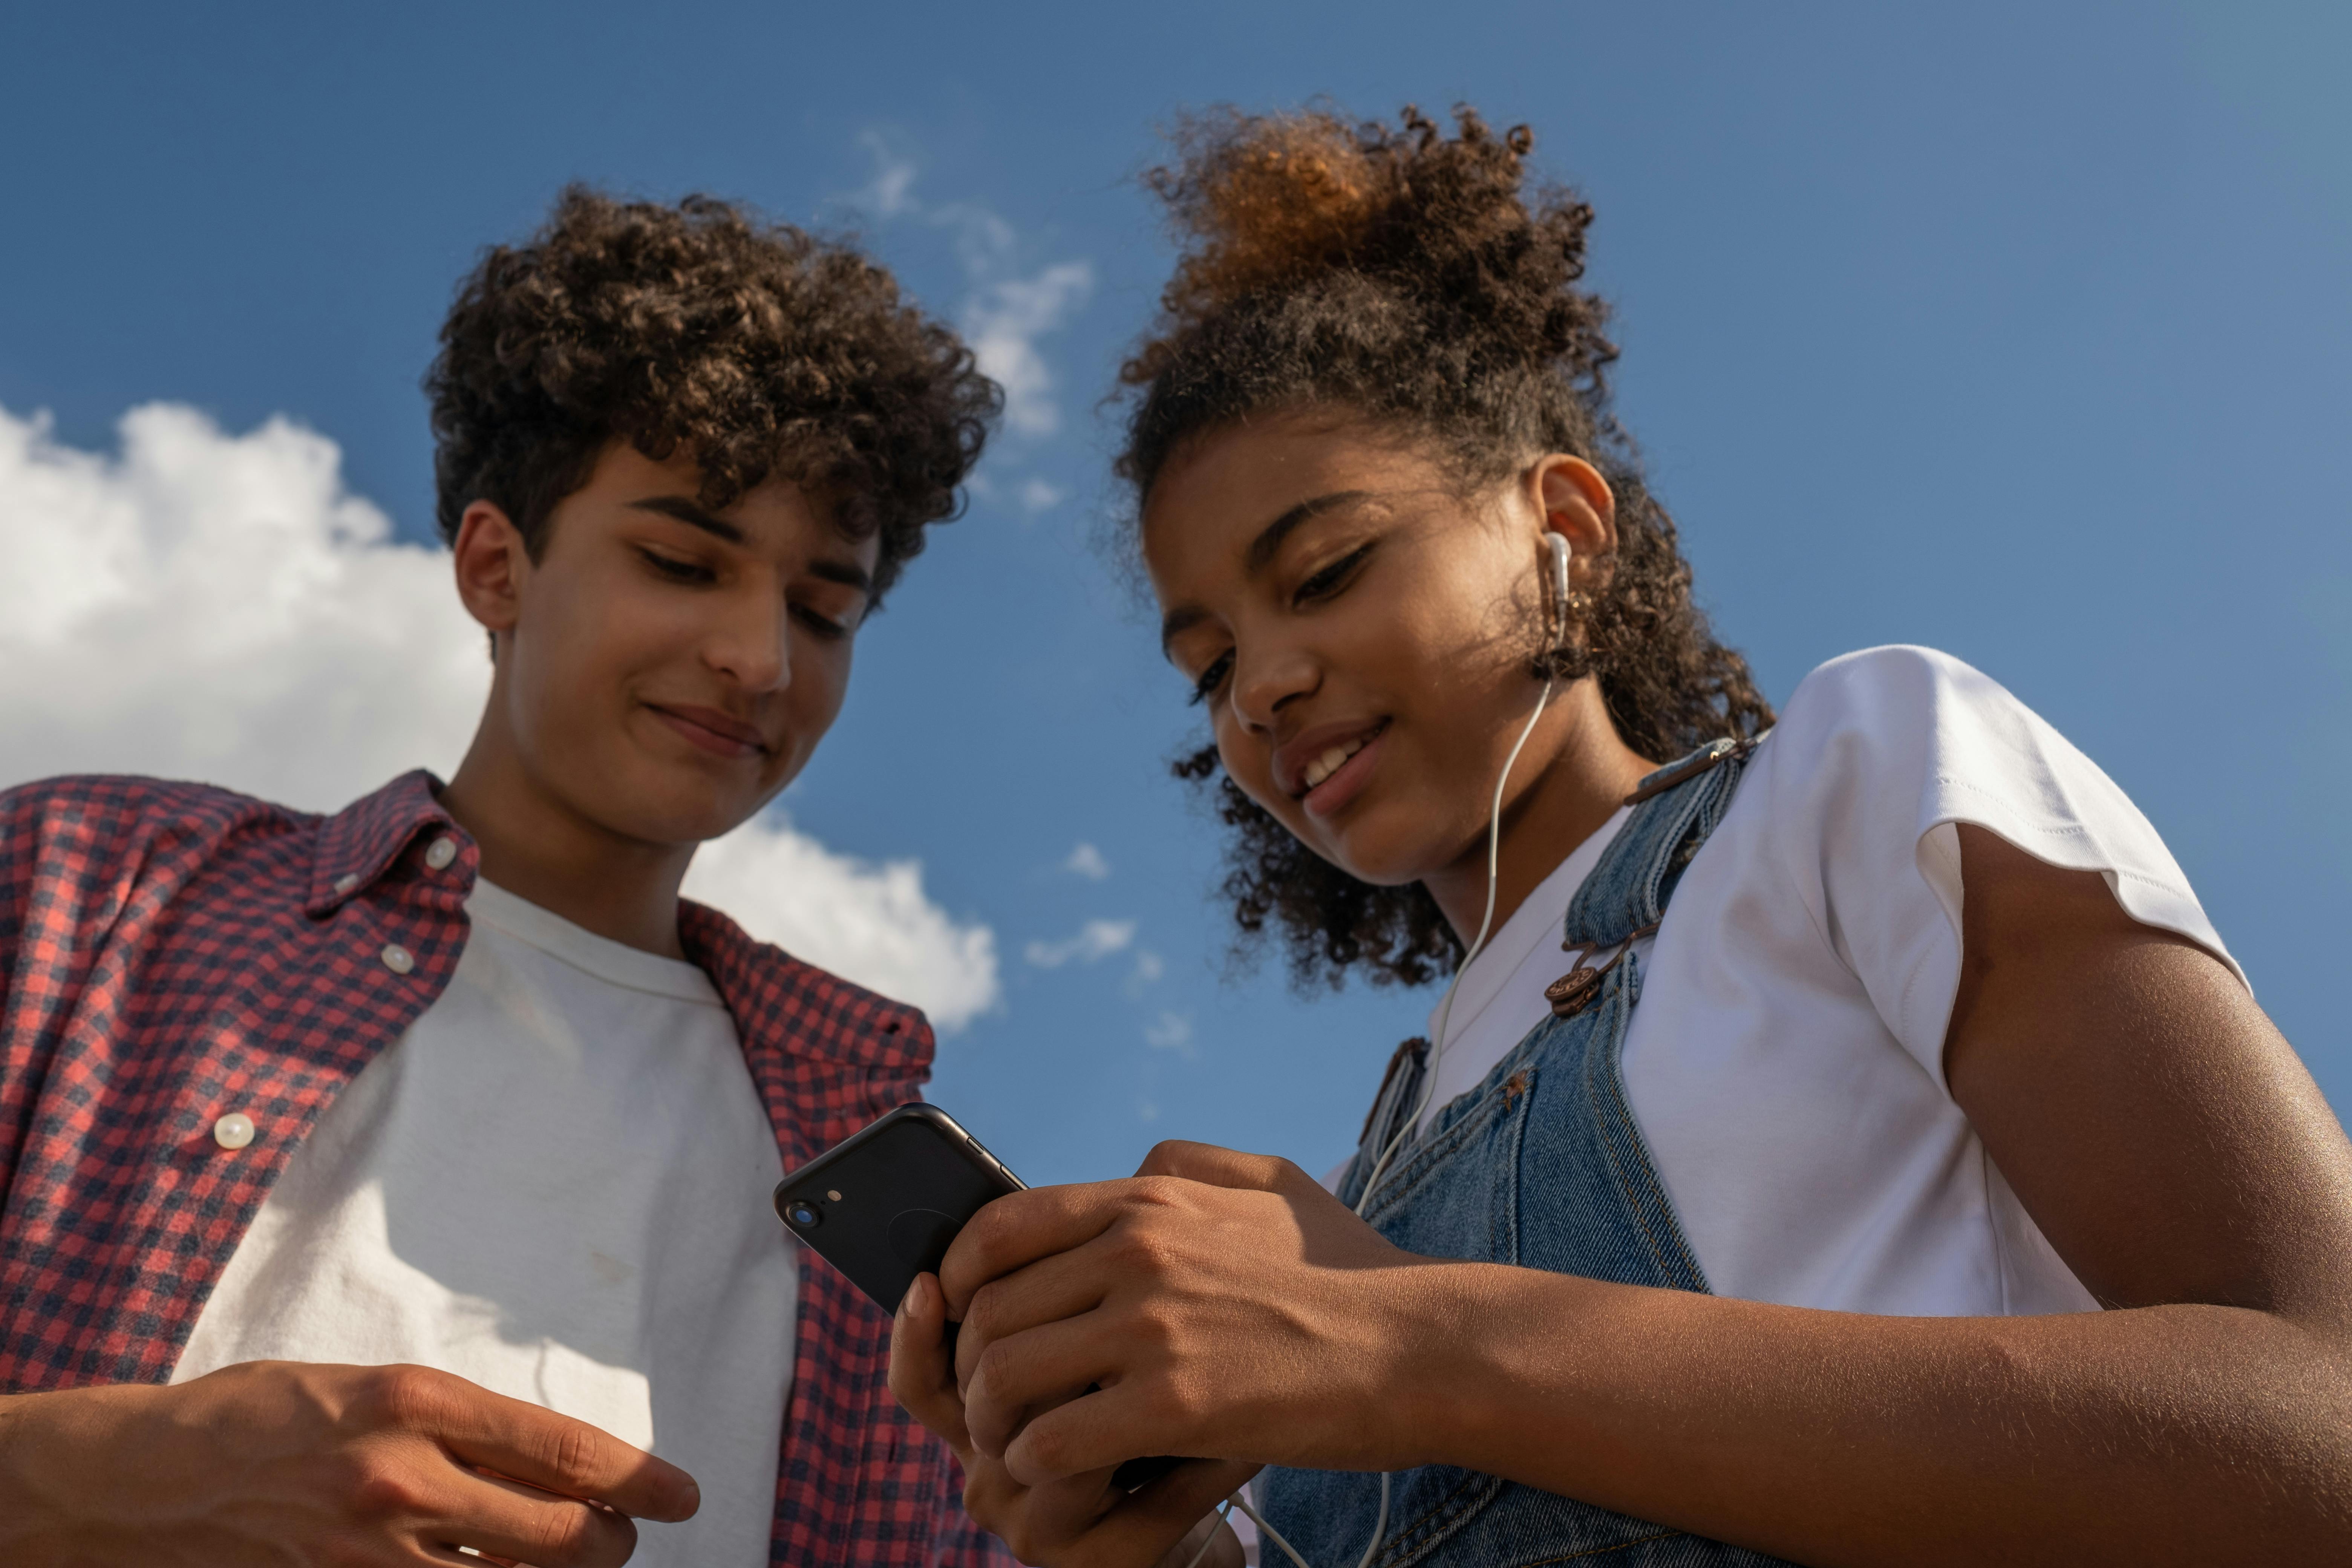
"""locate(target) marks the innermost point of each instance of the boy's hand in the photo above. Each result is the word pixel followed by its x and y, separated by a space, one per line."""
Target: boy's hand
pixel 286 1462
pixel 1081 1520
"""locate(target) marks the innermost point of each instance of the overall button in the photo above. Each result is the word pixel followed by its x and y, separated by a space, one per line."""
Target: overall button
pixel 444 850
pixel 234 1131
pixel 397 958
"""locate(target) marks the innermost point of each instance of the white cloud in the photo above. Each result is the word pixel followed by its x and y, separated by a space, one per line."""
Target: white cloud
pixel 891 190
pixel 1096 940
pixel 1171 1032
pixel 1004 324
pixel 872 923
pixel 216 606
pixel 1041 495
pixel 1087 861
pixel 1005 316
pixel 220 607
pixel 1149 967
pixel 983 241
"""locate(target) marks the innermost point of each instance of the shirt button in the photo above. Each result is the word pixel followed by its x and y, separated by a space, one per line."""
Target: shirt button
pixel 234 1131
pixel 347 881
pixel 397 958
pixel 444 850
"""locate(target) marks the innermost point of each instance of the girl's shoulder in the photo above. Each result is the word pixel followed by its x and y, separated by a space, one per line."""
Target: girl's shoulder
pixel 1881 755
pixel 1898 691
pixel 1912 736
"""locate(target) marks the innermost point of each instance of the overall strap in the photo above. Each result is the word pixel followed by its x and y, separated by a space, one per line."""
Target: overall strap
pixel 1675 809
pixel 1623 899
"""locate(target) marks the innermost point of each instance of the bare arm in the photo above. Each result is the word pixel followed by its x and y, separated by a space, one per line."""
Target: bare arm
pixel 2149 1115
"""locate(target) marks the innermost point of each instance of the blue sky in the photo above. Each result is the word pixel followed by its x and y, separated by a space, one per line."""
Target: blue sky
pixel 2021 330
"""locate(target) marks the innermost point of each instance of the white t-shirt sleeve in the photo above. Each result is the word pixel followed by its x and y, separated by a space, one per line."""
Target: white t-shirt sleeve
pixel 1883 753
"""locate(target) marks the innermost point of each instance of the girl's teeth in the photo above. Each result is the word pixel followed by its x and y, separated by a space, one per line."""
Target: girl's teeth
pixel 1323 766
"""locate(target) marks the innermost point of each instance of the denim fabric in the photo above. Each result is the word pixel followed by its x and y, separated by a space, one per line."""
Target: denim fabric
pixel 1542 1166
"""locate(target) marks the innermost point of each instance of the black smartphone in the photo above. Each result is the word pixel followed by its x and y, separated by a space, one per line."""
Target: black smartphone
pixel 882 1205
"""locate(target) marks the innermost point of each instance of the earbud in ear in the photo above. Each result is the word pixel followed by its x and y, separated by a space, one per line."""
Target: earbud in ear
pixel 1558 543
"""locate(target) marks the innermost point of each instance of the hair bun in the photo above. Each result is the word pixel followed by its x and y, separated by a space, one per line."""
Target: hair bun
pixel 1266 203
pixel 1262 201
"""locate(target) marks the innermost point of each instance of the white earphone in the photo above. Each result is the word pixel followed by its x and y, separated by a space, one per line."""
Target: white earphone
pixel 1556 544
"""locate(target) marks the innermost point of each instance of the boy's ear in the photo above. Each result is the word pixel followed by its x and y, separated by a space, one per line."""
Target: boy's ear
pixel 491 563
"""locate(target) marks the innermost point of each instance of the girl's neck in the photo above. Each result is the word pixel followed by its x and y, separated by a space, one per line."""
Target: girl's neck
pixel 1576 771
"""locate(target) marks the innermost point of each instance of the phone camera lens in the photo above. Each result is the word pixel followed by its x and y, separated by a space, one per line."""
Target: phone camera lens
pixel 804 1214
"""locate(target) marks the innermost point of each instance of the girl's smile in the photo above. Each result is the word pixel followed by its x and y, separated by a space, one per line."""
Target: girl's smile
pixel 1305 764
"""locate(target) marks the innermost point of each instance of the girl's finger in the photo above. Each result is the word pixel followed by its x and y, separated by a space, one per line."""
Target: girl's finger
pixel 1048 1290
pixel 1098 1431
pixel 1036 1371
pixel 1135 1527
pixel 922 1366
pixel 1019 1229
pixel 1219 1167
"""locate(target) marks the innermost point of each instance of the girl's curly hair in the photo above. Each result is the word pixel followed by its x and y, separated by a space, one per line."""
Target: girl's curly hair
pixel 755 347
pixel 1411 278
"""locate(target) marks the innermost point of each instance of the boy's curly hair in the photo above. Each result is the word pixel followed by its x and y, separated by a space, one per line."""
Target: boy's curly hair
pixel 1409 277
pixel 756 348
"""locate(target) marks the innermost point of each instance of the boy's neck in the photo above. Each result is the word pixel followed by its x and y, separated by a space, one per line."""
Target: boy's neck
pixel 536 847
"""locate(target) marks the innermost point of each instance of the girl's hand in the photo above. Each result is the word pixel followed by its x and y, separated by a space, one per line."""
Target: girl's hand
pixel 1215 1305
pixel 1080 1520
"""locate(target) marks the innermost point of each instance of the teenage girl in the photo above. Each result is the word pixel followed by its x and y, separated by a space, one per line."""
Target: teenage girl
pixel 1848 1141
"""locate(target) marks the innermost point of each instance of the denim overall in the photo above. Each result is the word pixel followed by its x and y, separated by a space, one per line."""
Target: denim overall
pixel 1541 1166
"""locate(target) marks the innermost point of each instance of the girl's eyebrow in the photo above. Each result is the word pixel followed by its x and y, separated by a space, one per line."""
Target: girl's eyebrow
pixel 1261 554
pixel 1263 549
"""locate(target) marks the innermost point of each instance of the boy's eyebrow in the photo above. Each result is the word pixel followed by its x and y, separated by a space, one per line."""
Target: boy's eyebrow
pixel 1261 553
pixel 685 511
pixel 849 574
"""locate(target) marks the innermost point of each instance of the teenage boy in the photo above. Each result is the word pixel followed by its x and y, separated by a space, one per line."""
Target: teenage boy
pixel 387 1186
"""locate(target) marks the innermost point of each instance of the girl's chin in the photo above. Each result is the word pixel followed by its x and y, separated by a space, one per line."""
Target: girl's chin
pixel 1367 857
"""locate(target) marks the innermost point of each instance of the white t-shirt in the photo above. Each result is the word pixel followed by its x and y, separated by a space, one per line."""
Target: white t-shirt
pixel 1785 1062
pixel 556 1184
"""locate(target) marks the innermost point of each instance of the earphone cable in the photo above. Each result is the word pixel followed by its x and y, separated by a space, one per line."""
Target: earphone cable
pixel 1445 1008
pixel 1440 1029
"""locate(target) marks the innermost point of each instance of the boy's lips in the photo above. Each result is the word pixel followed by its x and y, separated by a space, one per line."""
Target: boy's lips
pixel 718 733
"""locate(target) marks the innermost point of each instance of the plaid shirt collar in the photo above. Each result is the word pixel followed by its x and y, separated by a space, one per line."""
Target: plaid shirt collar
pixel 358 844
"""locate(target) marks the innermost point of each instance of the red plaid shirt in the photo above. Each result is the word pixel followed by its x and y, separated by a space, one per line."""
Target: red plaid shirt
pixel 171 953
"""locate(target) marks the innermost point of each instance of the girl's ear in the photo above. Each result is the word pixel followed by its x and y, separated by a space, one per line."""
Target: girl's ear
pixel 491 566
pixel 1574 500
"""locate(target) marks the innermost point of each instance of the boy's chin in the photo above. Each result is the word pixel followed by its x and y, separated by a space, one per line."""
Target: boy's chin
pixel 684 817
